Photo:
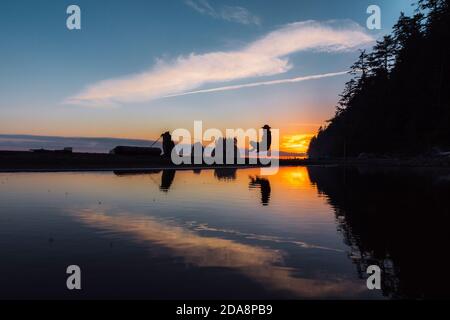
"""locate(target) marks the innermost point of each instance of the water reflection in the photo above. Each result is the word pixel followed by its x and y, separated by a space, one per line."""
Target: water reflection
pixel 396 219
pixel 261 264
pixel 264 185
pixel 318 231
pixel 124 173
pixel 166 180
pixel 167 176
pixel 225 174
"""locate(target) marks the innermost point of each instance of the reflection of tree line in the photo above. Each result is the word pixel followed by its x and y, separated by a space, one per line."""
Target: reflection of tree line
pixel 221 174
pixel 396 219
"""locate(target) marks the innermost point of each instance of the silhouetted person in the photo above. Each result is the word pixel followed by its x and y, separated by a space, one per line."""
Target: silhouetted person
pixel 167 178
pixel 265 143
pixel 168 144
pixel 264 186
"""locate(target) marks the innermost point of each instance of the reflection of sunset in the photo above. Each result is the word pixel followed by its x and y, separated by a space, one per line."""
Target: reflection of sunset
pixel 296 143
pixel 296 177
pixel 264 228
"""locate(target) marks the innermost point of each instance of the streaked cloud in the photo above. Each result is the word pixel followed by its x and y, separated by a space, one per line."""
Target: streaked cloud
pixel 267 56
pixel 228 13
pixel 262 83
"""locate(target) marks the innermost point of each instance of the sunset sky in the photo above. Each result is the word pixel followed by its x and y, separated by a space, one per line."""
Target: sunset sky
pixel 138 68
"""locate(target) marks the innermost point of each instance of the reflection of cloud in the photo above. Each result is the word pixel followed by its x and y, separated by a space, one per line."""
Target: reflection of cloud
pixel 205 227
pixel 260 264
pixel 227 13
pixel 267 56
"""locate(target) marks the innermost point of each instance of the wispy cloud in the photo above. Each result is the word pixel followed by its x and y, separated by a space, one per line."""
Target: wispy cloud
pixel 267 56
pixel 261 83
pixel 228 13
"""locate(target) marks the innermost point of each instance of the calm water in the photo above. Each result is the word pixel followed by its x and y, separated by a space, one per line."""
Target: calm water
pixel 304 233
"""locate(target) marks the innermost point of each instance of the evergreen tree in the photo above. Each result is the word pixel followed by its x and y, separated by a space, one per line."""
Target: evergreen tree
pixel 398 99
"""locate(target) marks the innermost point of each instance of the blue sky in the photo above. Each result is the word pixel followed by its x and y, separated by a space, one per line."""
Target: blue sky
pixel 43 65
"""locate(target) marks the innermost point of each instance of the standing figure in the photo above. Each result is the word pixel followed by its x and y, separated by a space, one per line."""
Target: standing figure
pixel 168 144
pixel 265 143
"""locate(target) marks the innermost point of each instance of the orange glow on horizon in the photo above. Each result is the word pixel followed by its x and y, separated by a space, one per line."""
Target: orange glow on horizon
pixel 297 143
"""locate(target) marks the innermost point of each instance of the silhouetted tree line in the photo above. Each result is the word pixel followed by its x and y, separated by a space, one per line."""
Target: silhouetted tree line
pixel 397 102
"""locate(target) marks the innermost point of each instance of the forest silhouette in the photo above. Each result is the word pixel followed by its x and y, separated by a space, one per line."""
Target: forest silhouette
pixel 397 103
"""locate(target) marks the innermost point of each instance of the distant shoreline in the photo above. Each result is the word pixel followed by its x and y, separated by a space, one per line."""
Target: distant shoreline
pixel 22 161
pixel 25 161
